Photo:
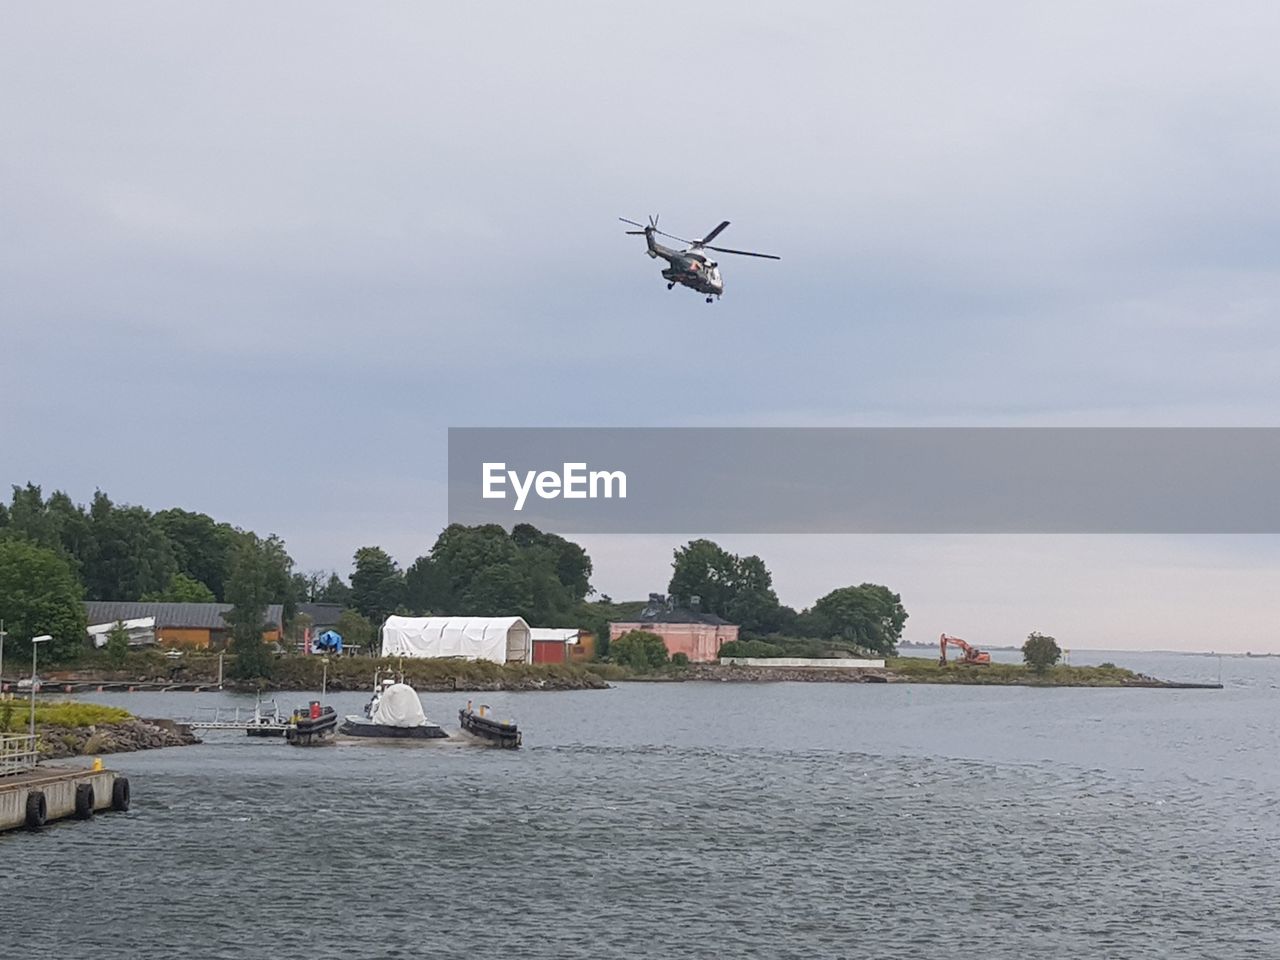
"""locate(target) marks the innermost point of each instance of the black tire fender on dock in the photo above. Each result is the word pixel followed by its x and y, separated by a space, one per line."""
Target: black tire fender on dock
pixel 84 801
pixel 120 794
pixel 37 810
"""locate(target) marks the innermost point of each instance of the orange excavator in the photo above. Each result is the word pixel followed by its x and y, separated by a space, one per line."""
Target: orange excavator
pixel 968 652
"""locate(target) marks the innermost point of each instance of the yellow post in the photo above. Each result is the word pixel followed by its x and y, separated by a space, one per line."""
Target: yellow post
pixel 97 764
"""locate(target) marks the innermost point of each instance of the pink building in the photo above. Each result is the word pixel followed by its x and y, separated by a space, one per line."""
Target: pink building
pixel 695 634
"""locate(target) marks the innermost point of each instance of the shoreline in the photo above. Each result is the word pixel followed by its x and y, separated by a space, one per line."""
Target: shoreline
pixel 298 674
pixel 1096 678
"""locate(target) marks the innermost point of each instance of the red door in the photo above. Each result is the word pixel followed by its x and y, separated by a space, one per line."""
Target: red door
pixel 548 651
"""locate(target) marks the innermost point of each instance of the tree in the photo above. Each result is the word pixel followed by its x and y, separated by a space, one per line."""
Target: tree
pixel 704 570
pixel 569 561
pixel 118 644
pixel 182 589
pixel 354 629
pixel 639 649
pixel 280 576
pixel 377 585
pixel 201 546
pixel 740 589
pixel 334 591
pixel 29 517
pixel 1040 652
pixel 58 524
pixel 39 595
pixel 870 616
pixel 131 555
pixel 484 570
pixel 754 605
pixel 249 593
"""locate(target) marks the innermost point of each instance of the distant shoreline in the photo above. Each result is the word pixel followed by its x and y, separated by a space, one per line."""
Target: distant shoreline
pixel 343 674
pixel 922 672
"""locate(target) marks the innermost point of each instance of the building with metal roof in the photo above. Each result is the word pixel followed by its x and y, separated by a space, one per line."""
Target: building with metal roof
pixel 197 625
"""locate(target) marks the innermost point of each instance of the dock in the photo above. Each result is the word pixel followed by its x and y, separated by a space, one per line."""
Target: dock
pixel 259 723
pixel 110 686
pixel 33 794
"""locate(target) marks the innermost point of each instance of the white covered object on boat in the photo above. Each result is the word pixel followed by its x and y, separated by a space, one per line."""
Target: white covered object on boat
pixel 399 706
pixel 500 639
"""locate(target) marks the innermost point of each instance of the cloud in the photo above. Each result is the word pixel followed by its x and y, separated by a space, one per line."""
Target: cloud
pixel 260 249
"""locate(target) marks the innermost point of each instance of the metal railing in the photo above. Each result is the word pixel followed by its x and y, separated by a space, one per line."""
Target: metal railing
pixel 18 753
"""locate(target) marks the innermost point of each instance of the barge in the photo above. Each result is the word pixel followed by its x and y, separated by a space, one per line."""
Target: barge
pixel 479 723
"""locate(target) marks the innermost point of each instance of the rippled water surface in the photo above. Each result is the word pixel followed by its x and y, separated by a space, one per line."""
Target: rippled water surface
pixel 697 820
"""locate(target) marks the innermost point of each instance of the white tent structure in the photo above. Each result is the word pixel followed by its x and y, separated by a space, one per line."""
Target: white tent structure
pixel 500 639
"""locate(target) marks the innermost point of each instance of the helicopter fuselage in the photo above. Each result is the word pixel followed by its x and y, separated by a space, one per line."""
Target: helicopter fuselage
pixel 690 268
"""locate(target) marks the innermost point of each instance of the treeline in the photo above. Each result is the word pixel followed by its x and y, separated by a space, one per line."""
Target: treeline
pixel 54 553
pixel 868 617
pixel 129 553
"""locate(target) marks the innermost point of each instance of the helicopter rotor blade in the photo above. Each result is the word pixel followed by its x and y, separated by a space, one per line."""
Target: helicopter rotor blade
pixel 713 234
pixel 632 222
pixel 744 253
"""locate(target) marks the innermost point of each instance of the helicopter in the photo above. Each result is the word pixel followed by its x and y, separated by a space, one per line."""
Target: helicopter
pixel 691 266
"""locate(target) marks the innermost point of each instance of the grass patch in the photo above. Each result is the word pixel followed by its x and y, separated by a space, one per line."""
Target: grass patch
pixel 59 713
pixel 922 670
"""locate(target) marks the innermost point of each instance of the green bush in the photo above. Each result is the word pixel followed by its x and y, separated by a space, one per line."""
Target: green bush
pixel 751 648
pixel 679 659
pixel 1041 652
pixel 639 650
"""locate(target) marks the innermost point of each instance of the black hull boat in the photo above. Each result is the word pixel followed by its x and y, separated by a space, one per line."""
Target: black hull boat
pixel 312 726
pixel 394 713
pixel 480 724
pixel 265 731
pixel 362 727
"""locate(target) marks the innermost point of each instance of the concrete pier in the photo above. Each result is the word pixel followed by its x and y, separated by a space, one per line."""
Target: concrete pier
pixel 48 793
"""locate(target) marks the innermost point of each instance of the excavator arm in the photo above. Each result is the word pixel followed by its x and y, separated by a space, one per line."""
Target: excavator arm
pixel 971 654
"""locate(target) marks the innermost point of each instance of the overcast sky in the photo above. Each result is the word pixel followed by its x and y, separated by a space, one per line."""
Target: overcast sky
pixel 256 259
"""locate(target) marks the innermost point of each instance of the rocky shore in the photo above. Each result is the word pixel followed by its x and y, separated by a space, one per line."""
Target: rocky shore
pixel 1004 675
pixel 57 742
pixel 726 673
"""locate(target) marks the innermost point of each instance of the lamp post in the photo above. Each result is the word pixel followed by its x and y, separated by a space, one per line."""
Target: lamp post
pixel 2 636
pixel 35 645
pixel 324 682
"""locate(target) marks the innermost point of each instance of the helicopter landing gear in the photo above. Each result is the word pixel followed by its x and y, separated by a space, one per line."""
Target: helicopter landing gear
pixel 708 299
pixel 670 286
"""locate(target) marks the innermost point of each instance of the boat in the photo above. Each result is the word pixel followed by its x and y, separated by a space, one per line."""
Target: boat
pixel 264 724
pixel 395 712
pixel 503 733
pixel 311 725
